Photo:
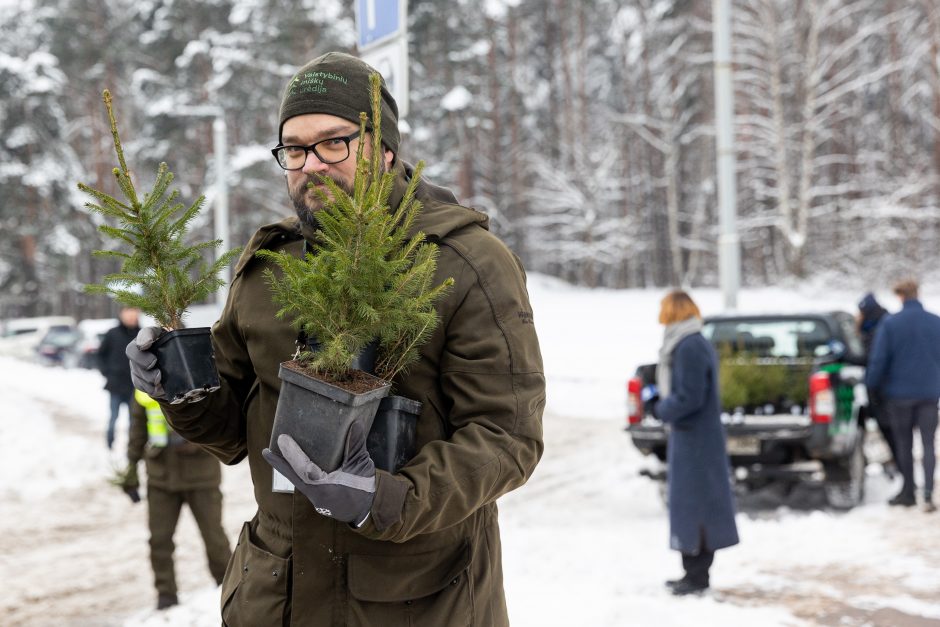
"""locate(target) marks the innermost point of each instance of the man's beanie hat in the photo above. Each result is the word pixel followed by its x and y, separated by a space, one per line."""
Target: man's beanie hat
pixel 338 84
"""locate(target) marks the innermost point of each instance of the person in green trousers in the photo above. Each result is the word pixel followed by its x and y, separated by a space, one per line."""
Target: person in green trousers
pixel 178 472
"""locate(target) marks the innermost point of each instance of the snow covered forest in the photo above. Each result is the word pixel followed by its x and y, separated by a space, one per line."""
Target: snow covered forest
pixel 584 129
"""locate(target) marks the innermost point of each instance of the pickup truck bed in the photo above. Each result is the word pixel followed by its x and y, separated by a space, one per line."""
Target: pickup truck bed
pixel 804 425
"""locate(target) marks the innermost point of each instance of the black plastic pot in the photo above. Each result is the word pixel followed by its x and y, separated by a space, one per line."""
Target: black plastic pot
pixel 186 362
pixel 391 441
pixel 318 415
pixel 364 361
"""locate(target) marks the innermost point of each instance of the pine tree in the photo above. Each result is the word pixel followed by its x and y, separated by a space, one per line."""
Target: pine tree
pixel 366 278
pixel 161 275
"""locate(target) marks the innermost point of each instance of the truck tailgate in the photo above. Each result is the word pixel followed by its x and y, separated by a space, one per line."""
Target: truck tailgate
pixel 745 431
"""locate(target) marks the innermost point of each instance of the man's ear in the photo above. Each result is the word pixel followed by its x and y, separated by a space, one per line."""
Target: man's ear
pixel 389 158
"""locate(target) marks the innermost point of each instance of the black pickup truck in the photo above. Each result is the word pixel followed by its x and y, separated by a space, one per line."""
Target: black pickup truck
pixel 793 401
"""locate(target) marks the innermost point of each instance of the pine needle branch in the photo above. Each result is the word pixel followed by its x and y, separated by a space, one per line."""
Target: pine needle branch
pixel 160 273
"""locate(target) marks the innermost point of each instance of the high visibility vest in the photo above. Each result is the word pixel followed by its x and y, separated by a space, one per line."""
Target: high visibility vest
pixel 157 430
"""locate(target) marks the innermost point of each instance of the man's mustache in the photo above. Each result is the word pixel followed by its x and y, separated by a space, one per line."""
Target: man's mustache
pixel 311 183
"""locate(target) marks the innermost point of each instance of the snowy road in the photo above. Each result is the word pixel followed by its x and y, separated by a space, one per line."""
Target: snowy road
pixel 584 542
pixel 79 556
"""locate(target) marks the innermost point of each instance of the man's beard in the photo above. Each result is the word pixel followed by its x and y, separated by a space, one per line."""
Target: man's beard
pixel 306 201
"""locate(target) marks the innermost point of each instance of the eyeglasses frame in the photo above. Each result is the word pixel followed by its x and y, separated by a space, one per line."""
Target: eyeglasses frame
pixel 313 148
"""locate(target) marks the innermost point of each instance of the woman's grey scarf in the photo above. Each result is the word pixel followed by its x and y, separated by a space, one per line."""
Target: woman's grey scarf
pixel 672 335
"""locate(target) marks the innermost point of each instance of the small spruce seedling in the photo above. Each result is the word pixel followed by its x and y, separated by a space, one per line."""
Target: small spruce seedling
pixel 366 278
pixel 160 273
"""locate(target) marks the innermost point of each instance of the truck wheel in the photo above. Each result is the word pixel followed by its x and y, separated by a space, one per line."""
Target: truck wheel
pixel 660 453
pixel 845 479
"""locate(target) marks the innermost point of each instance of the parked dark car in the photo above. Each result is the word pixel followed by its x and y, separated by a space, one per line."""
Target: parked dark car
pixel 19 337
pixel 793 401
pixel 55 347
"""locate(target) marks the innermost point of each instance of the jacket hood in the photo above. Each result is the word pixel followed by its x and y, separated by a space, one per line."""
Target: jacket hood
pixel 869 305
pixel 440 216
pixel 440 213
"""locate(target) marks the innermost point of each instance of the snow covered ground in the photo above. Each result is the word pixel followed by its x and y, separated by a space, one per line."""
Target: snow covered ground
pixel 584 542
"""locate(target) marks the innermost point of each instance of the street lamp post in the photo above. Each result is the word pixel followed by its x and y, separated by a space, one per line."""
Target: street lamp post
pixel 220 201
pixel 729 254
pixel 219 141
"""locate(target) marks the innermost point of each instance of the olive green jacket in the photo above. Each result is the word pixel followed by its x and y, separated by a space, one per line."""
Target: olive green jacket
pixel 179 467
pixel 430 552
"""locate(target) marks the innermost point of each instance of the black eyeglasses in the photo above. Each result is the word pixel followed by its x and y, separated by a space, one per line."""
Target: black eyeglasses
pixel 328 151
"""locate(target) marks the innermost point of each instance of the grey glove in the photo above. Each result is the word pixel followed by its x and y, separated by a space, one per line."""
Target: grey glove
pixel 345 494
pixel 144 372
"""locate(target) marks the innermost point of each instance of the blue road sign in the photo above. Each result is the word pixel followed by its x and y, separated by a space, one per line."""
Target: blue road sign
pixel 377 20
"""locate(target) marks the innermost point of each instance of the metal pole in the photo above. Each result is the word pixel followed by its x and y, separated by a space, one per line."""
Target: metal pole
pixel 221 199
pixel 729 254
pixel 404 100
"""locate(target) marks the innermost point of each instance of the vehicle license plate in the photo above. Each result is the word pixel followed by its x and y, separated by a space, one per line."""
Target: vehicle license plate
pixel 743 445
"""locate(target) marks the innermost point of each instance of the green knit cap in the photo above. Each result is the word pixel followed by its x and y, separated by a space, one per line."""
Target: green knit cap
pixel 338 84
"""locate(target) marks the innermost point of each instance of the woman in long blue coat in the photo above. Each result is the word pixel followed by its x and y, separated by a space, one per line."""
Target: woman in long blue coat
pixel 701 505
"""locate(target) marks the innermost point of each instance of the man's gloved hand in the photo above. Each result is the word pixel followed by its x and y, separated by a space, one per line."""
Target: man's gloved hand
pixel 129 483
pixel 345 494
pixel 649 393
pixel 144 372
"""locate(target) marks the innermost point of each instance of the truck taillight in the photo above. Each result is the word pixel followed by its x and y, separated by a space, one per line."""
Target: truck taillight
pixel 634 402
pixel 822 398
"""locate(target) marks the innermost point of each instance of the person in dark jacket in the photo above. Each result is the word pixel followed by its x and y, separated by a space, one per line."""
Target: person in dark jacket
pixel 427 551
pixel 870 315
pixel 178 473
pixel 113 364
pixel 904 368
pixel 686 398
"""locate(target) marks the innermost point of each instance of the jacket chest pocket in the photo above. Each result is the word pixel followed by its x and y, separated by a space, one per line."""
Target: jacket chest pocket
pixel 426 589
pixel 255 588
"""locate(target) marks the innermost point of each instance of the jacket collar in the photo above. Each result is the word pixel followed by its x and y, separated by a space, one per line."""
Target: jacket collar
pixel 440 214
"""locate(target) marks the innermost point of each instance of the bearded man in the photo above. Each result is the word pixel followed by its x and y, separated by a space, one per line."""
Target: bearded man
pixel 425 549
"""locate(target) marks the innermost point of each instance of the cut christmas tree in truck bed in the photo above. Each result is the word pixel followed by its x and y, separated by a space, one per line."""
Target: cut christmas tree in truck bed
pixel 160 274
pixel 367 280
